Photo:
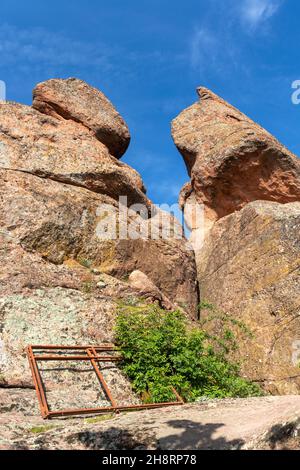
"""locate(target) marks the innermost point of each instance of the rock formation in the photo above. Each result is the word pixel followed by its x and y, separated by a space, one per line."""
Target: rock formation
pixel 75 100
pixel 71 250
pixel 65 151
pixel 60 275
pixel 138 280
pixel 231 160
pixel 249 264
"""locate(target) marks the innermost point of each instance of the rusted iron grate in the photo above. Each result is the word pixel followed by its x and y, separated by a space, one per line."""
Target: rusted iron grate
pixel 93 354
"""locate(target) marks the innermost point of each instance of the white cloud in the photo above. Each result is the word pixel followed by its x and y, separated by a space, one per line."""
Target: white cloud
pixel 203 44
pixel 256 12
pixel 212 50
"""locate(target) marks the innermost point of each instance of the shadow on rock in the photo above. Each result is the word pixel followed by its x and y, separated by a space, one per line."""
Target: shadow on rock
pixel 191 436
pixel 117 439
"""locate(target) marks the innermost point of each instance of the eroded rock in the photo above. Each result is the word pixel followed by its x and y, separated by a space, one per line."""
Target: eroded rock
pixel 231 159
pixel 73 99
pixel 249 266
pixel 139 281
pixel 65 151
pixel 62 271
pixel 60 223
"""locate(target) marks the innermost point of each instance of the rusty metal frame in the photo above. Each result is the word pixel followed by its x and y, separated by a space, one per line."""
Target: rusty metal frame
pixel 92 354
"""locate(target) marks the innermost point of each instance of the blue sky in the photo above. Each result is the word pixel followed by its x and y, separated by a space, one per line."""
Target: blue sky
pixel 149 56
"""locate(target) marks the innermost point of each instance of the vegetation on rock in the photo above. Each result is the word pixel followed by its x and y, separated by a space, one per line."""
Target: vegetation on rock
pixel 162 350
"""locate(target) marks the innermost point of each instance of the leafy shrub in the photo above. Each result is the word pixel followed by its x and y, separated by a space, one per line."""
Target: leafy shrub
pixel 161 350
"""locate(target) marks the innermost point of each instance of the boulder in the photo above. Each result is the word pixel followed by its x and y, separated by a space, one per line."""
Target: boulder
pixel 73 99
pixel 232 160
pixel 141 282
pixel 249 267
pixel 52 263
pixel 65 151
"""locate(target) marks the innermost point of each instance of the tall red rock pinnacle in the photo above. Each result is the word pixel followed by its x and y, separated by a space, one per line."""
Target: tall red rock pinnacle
pixel 231 159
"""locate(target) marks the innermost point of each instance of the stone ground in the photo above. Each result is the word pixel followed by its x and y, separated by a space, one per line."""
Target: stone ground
pixel 253 423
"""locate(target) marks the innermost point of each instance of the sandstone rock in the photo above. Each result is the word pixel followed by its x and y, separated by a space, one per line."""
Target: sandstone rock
pixel 60 223
pixel 44 303
pixel 50 260
pixel 231 159
pixel 139 281
pixel 31 142
pixel 56 316
pixel 73 99
pixel 249 266
pixel 62 270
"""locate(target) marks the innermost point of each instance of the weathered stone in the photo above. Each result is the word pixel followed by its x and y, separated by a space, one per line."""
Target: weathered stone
pixel 57 316
pixel 73 99
pixel 231 159
pixel 249 266
pixel 65 151
pixel 62 274
pixel 223 424
pixel 60 223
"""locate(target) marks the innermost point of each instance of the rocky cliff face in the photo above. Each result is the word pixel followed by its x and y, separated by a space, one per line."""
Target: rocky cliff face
pixel 59 279
pixel 75 100
pixel 249 264
pixel 62 270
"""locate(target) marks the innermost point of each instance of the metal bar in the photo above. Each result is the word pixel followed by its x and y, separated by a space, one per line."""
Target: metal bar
pixel 145 406
pixel 41 404
pixel 38 384
pixel 100 376
pixel 78 358
pixel 112 408
pixel 92 356
pixel 83 411
pixel 179 398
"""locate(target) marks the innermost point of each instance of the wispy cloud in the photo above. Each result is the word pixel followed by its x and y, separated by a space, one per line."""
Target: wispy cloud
pixel 256 12
pixel 38 50
pixel 208 52
pixel 203 44
pixel 216 43
pixel 37 45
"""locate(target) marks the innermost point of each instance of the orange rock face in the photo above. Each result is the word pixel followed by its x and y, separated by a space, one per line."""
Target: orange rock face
pixel 63 150
pixel 231 159
pixel 76 100
pixel 248 258
pixel 249 266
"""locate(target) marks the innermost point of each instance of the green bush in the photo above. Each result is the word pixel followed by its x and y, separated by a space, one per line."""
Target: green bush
pixel 161 350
